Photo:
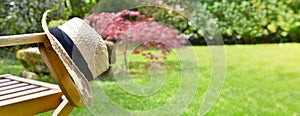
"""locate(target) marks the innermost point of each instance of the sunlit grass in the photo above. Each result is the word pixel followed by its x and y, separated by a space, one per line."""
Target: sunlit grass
pixel 260 80
pixel 8 66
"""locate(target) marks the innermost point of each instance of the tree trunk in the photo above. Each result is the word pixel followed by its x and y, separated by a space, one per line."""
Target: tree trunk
pixel 125 56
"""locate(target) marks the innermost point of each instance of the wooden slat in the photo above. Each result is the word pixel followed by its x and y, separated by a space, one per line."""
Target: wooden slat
pixel 28 100
pixel 60 75
pixel 12 86
pixel 64 109
pixel 39 83
pixel 31 104
pixel 17 89
pixel 28 97
pixel 9 96
pixel 9 83
pixel 4 80
pixel 22 39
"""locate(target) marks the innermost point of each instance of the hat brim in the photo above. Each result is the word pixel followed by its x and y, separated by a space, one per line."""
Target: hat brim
pixel 77 76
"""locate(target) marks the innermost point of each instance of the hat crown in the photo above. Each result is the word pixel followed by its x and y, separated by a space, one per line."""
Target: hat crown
pixel 89 43
pixel 89 46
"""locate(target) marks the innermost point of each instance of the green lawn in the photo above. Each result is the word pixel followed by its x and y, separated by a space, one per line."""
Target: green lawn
pixel 10 67
pixel 260 80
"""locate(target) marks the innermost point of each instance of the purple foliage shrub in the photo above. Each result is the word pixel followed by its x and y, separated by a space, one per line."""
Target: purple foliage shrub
pixel 137 28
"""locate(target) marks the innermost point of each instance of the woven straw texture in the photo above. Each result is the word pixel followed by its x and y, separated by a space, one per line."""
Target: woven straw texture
pixel 91 46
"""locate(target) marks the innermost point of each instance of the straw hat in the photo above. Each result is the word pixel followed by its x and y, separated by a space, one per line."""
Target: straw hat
pixel 82 51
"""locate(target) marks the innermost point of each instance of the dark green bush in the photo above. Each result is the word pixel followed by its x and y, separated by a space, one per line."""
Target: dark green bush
pixel 19 17
pixel 25 16
pixel 255 21
pixel 239 21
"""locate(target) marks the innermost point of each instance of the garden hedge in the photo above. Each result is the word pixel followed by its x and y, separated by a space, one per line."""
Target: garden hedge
pixel 239 22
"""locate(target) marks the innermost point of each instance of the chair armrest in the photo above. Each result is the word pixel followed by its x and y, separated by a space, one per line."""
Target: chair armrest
pixel 13 40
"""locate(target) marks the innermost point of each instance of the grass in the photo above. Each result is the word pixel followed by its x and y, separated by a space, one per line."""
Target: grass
pixel 260 80
pixel 10 67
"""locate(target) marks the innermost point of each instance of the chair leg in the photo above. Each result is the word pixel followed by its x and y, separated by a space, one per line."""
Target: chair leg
pixel 64 109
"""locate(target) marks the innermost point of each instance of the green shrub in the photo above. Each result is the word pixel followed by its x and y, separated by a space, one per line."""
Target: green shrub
pixel 255 21
pixel 239 22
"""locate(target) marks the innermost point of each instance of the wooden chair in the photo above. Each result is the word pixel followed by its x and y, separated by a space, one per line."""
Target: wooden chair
pixel 20 96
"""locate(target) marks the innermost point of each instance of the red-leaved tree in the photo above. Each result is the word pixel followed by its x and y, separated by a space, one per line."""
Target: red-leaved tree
pixel 137 28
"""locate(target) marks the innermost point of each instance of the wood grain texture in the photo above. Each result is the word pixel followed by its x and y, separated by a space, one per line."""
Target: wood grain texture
pixel 17 89
pixel 13 86
pixel 34 82
pixel 64 109
pixel 19 96
pixel 60 74
pixel 27 97
pixel 13 40
pixel 31 104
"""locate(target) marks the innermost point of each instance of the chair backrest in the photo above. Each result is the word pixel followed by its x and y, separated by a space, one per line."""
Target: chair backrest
pixel 55 65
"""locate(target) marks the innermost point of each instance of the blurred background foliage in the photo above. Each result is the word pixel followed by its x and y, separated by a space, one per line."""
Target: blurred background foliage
pixel 239 22
pixel 18 17
pixel 24 16
pixel 257 21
